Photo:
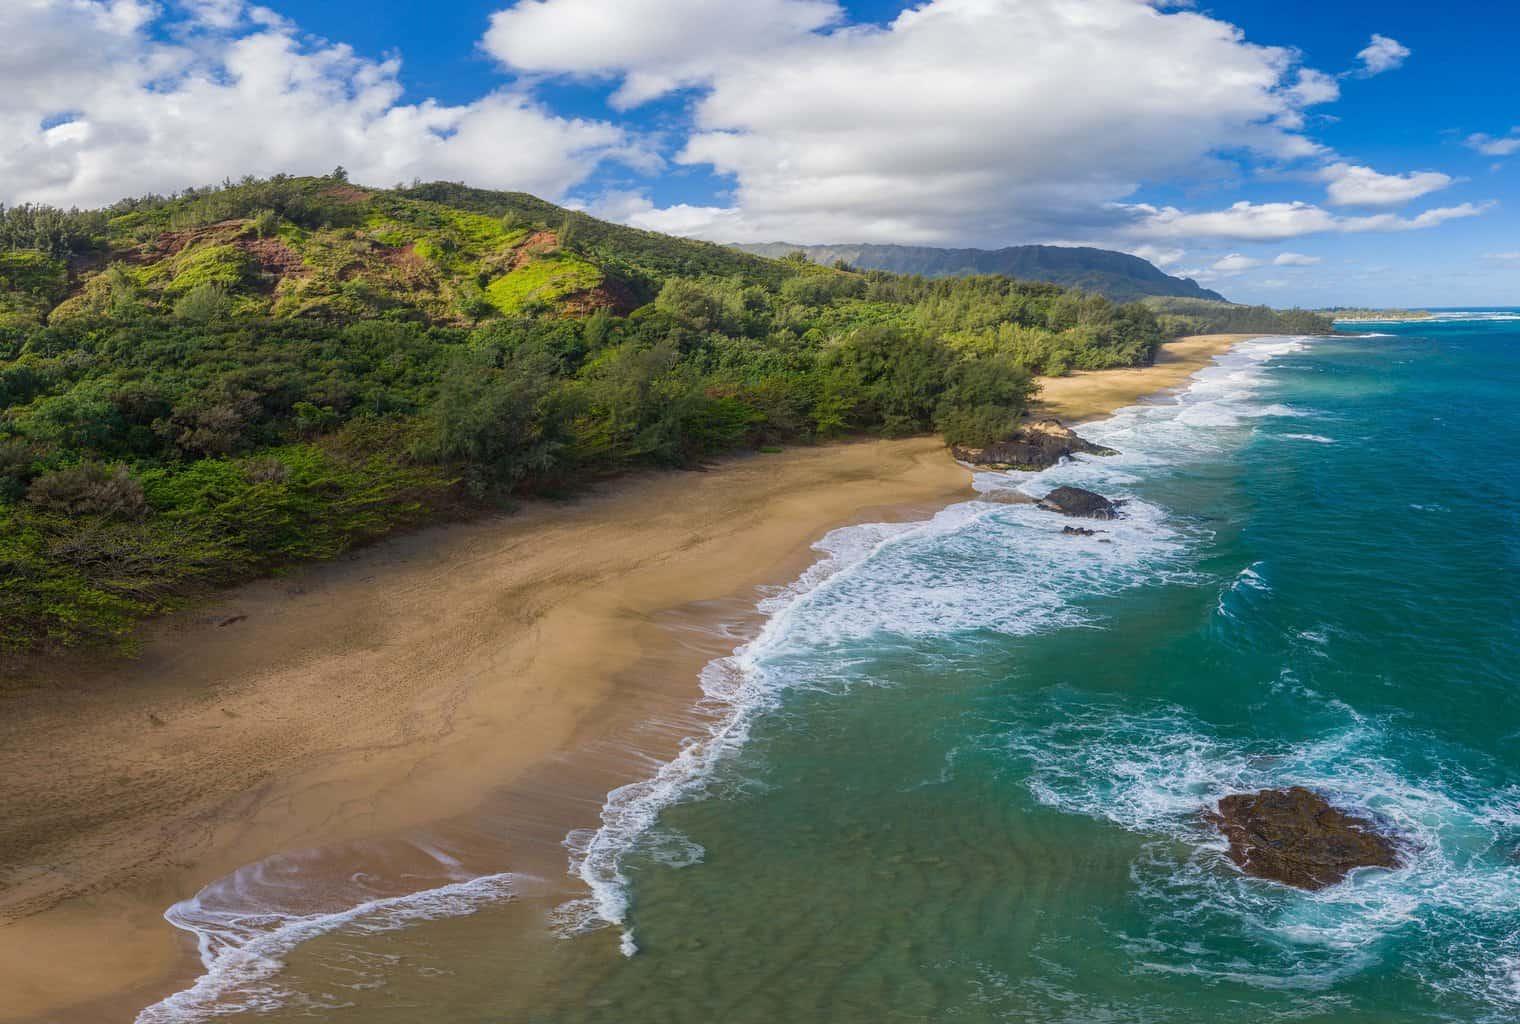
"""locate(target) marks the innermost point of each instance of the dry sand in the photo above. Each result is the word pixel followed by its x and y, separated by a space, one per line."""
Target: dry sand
pixel 400 686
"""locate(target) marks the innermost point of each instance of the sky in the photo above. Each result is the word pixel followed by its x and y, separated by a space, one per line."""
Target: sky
pixel 1348 152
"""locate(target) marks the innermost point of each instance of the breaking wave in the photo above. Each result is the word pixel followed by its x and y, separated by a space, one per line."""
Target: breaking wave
pixel 894 582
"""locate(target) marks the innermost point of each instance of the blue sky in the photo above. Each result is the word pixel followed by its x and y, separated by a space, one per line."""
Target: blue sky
pixel 1273 162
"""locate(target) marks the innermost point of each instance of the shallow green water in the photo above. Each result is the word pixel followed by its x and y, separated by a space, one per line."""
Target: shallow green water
pixel 963 774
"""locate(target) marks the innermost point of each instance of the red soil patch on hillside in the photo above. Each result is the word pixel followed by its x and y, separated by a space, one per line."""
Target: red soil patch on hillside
pixel 346 194
pixel 172 243
pixel 399 264
pixel 612 295
pixel 538 242
pixel 275 257
pixel 403 258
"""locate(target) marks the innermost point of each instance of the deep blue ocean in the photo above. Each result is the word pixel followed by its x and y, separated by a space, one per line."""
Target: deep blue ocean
pixel 961 774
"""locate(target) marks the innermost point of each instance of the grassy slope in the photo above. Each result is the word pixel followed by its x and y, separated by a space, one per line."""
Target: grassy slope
pixel 441 253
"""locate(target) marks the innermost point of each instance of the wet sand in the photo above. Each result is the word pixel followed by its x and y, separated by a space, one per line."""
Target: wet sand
pixel 482 685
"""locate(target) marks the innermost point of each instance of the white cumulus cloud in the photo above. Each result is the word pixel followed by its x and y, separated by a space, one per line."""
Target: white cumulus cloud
pixel 1382 54
pixel 97 105
pixel 1314 87
pixel 1489 145
pixel 654 46
pixel 222 14
pixel 1276 222
pixel 972 121
pixel 1229 266
pixel 1295 259
pixel 1235 263
pixel 1161 256
pixel 1351 185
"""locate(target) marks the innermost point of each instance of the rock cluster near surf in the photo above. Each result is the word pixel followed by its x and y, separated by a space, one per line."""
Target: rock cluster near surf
pixel 1297 837
pixel 1080 503
pixel 1031 448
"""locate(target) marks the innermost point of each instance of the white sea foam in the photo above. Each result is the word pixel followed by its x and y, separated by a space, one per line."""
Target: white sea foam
pixel 1500 985
pixel 1251 578
pixel 1312 438
pixel 737 690
pixel 859 591
pixel 1442 317
pixel 247 923
pixel 1248 587
pixel 1155 773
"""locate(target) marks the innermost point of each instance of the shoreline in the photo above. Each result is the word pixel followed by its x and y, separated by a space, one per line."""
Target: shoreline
pixel 1094 394
pixel 383 693
pixel 506 666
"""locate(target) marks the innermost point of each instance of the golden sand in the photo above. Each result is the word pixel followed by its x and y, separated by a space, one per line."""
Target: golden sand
pixel 398 687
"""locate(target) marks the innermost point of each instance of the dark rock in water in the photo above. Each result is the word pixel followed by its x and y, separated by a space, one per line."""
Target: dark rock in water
pixel 1296 837
pixel 1074 501
pixel 1033 447
pixel 1079 531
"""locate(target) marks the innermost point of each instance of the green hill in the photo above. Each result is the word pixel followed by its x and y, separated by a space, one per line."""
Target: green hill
pixel 201 388
pixel 1200 316
pixel 1117 275
pixel 326 250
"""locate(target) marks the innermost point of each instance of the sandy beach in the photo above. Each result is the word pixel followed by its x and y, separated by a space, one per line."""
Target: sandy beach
pixel 396 688
pixel 1086 396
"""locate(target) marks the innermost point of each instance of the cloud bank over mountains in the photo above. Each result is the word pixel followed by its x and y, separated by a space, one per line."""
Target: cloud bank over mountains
pixel 920 130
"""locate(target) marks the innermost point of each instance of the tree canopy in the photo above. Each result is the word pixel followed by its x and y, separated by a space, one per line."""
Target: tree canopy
pixel 199 388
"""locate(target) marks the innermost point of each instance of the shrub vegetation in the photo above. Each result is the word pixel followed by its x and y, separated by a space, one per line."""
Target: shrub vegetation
pixel 199 388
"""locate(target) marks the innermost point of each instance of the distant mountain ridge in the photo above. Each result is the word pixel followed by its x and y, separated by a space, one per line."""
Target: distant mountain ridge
pixel 1118 275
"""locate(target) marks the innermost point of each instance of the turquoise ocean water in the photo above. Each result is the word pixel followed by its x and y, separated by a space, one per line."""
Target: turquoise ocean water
pixel 959 776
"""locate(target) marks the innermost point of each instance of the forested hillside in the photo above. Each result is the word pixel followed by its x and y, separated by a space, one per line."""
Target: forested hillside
pixel 1116 275
pixel 1200 316
pixel 201 388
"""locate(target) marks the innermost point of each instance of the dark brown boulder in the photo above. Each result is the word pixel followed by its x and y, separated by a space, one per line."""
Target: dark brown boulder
pixel 1296 837
pixel 1074 501
pixel 1032 447
pixel 1079 531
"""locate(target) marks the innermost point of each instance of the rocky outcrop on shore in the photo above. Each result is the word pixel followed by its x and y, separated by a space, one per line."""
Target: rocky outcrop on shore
pixel 1032 447
pixel 1297 837
pixel 1080 503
